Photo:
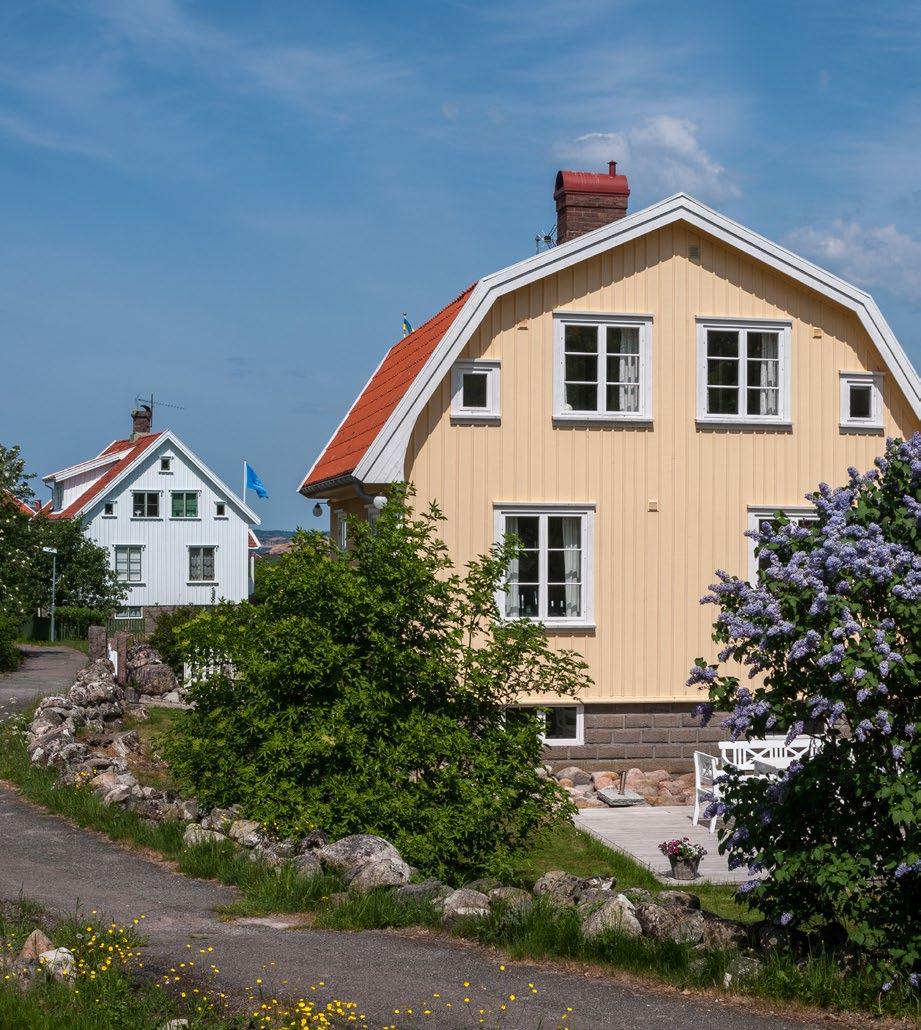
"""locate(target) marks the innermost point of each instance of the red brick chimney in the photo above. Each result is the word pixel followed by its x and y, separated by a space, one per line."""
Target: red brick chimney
pixel 140 421
pixel 588 200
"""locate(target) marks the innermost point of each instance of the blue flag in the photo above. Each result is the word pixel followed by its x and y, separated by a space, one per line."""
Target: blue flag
pixel 253 482
pixel 407 328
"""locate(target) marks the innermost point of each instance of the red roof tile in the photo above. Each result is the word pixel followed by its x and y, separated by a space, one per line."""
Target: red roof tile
pixel 132 449
pixel 21 505
pixel 384 391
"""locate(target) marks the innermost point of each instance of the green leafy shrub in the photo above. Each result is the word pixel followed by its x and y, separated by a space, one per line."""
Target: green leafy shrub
pixel 834 626
pixel 164 637
pixel 10 655
pixel 370 694
pixel 76 619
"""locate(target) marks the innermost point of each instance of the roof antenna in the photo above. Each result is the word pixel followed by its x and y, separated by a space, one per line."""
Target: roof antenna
pixel 545 240
pixel 149 401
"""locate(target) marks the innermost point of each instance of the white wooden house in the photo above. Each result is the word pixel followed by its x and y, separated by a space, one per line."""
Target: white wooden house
pixel 175 533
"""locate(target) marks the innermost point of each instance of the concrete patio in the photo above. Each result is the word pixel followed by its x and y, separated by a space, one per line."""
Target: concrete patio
pixel 637 832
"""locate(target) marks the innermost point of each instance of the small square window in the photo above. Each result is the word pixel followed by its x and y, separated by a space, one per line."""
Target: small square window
pixel 475 391
pixel 220 509
pixel 166 464
pixel 564 725
pixel 861 400
pixel 108 509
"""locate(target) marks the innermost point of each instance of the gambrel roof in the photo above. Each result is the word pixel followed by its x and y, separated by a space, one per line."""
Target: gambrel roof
pixel 370 444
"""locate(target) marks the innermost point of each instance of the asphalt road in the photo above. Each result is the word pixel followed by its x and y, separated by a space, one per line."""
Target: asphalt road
pixel 46 670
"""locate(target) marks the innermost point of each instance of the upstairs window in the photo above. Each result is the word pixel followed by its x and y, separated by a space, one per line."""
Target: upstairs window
pixel 475 390
pixel 862 400
pixel 184 504
pixel 743 372
pixel 220 510
pixel 145 504
pixel 108 509
pixel 166 464
pixel 603 368
pixel 201 564
pixel 551 579
pixel 128 564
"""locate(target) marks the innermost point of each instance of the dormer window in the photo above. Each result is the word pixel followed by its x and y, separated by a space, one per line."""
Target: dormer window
pixel 475 391
pixel 166 464
pixel 862 400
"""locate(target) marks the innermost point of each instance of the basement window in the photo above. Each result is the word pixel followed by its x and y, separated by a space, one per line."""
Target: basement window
pixel 475 391
pixel 130 613
pixel 862 400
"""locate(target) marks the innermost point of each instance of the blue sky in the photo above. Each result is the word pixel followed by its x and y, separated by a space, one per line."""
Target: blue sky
pixel 231 204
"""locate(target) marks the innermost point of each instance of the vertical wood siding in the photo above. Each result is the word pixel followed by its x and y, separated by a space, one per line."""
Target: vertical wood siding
pixel 651 568
pixel 165 562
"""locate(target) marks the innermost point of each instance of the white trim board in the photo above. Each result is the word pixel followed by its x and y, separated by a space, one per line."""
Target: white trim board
pixel 383 462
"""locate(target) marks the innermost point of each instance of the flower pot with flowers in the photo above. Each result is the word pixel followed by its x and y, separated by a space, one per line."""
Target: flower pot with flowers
pixel 684 857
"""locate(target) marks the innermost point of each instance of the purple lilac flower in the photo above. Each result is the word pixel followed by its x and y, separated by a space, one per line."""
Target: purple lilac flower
pixel 897 751
pixel 786 918
pixel 863 694
pixel 747 887
pixel 910 730
pixel 863 728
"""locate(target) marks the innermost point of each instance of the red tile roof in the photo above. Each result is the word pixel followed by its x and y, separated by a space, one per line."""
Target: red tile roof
pixel 253 540
pixel 129 450
pixel 384 391
pixel 21 505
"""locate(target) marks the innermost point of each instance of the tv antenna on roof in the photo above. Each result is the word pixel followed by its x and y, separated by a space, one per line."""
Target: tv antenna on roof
pixel 545 240
pixel 149 402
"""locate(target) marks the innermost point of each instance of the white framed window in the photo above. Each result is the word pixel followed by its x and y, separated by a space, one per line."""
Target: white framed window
pixel 220 510
pixel 145 504
pixel 552 579
pixel 201 564
pixel 108 510
pixel 131 612
pixel 128 563
pixel 563 724
pixel 758 513
pixel 475 390
pixel 166 464
pixel 342 530
pixel 743 372
pixel 602 367
pixel 184 504
pixel 861 400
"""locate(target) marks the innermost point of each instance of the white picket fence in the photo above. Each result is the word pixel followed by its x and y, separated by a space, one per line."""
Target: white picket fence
pixel 210 665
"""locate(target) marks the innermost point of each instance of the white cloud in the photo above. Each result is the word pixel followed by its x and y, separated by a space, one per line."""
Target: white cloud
pixel 866 255
pixel 662 152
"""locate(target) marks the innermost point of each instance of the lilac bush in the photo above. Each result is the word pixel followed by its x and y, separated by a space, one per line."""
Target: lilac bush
pixel 830 638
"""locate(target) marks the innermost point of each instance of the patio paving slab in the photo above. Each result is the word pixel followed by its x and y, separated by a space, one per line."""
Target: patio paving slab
pixel 638 831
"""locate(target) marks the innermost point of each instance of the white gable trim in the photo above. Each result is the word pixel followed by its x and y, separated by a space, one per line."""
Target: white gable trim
pixel 87 466
pixel 383 462
pixel 167 436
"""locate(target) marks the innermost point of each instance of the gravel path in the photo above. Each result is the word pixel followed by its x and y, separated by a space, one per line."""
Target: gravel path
pixel 64 867
pixel 46 670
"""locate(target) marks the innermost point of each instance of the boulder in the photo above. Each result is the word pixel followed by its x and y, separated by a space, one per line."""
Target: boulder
pixel 741 967
pixel 600 780
pixel 189 811
pixel 614 914
pixel 58 963
pixel 105 782
pixel 348 855
pixel 117 795
pixel 678 899
pixel 314 839
pixel 558 887
pixel 429 890
pixel 723 934
pixel 221 819
pixel 510 899
pixel 154 679
pixel 574 774
pixel 307 864
pixel 246 832
pixel 587 802
pixel 671 923
pixel 36 944
pixel 124 744
pixel 195 834
pixel 385 872
pixel 484 885
pixel 464 904
pixel 173 697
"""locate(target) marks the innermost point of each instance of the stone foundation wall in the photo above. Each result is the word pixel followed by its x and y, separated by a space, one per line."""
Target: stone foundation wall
pixel 641 736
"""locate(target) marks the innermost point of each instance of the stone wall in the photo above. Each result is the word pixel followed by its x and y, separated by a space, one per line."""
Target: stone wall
pixel 641 736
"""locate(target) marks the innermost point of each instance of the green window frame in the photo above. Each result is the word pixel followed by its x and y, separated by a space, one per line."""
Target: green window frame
pixel 184 504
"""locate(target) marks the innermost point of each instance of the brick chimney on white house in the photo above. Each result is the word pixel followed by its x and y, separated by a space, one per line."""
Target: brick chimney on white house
pixel 588 200
pixel 141 420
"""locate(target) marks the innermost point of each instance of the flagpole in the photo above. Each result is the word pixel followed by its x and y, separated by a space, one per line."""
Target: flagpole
pixel 243 495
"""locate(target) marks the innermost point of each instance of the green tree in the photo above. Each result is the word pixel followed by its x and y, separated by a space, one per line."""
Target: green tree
pixel 17 550
pixel 833 628
pixel 374 691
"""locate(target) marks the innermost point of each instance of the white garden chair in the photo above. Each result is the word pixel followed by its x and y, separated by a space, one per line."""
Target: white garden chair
pixel 706 770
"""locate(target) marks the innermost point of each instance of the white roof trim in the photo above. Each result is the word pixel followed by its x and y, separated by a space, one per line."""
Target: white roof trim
pixel 87 466
pixel 166 435
pixel 383 462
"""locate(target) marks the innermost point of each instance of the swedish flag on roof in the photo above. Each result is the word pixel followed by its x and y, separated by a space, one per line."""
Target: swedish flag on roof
pixel 407 328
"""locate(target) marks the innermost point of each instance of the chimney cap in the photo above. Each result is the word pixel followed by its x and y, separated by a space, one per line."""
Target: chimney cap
pixel 592 182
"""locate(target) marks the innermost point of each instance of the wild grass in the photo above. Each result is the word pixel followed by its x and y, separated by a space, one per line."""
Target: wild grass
pixel 377 910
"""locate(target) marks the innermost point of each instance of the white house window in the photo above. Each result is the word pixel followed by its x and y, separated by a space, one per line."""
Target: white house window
pixel 184 504
pixel 861 400
pixel 145 504
pixel 108 509
pixel 220 510
pixel 565 724
pixel 128 563
pixel 603 368
pixel 743 372
pixel 475 390
pixel 800 514
pixel 201 564
pixel 551 579
pixel 133 612
pixel 166 464
pixel 342 530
